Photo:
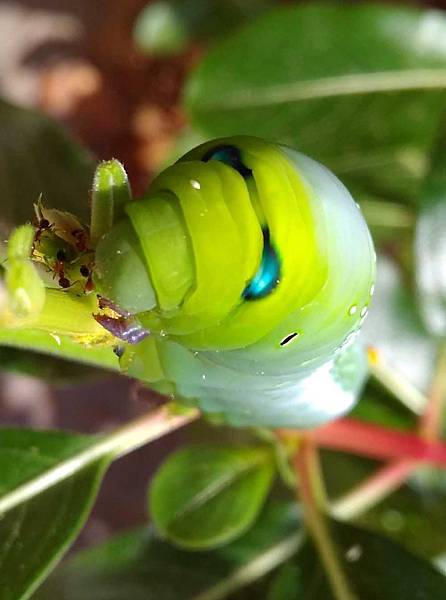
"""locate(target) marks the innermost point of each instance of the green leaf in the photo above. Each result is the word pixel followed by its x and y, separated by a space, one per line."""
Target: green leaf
pixel 206 496
pixel 37 157
pixel 166 27
pixel 378 407
pixel 375 568
pixel 46 367
pixel 57 346
pixel 414 515
pixel 47 485
pixel 359 87
pixel 139 566
pixel 41 511
pixel 430 246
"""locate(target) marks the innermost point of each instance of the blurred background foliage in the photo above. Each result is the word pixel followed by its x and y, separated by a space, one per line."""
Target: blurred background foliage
pixel 360 87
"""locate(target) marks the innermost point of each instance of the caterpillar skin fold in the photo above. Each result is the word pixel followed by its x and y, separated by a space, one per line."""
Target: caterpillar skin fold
pixel 252 268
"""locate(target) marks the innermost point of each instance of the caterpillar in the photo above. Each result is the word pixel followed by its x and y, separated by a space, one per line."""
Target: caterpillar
pixel 251 268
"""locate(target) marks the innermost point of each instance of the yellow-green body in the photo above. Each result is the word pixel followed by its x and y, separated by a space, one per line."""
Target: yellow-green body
pixel 195 242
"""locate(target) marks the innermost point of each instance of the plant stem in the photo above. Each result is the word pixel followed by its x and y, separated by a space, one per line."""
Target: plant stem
pixel 396 384
pixel 63 313
pixel 309 489
pixel 252 571
pixel 374 441
pixel 383 482
pixel 390 477
pixel 131 436
pixel 431 421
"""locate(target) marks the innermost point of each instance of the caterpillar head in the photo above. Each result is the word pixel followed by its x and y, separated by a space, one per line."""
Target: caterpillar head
pixel 242 244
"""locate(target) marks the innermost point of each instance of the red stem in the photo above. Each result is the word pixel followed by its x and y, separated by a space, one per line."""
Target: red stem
pixel 356 437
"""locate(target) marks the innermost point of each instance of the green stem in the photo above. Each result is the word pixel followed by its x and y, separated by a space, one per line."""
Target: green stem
pixel 254 570
pixel 374 489
pixel 63 313
pixel 390 477
pixel 131 436
pixel 431 421
pixel 306 462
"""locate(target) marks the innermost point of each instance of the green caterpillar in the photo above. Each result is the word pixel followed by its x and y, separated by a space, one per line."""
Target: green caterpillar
pixel 252 269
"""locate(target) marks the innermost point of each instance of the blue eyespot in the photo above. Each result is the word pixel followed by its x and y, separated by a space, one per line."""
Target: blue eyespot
pixel 229 155
pixel 267 277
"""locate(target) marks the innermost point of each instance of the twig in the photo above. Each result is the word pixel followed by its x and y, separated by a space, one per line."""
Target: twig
pixel 383 482
pixel 253 570
pixel 401 388
pixel 118 443
pixel 390 477
pixel 430 422
pixel 305 460
pixel 374 441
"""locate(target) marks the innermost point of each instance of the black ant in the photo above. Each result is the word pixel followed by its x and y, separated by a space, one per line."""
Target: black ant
pixel 86 272
pixel 44 225
pixel 59 269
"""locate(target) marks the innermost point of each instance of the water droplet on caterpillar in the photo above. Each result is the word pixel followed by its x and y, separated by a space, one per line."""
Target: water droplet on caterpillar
pixel 353 309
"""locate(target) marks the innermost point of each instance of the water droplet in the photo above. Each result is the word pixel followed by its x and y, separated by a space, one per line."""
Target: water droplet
pixel 354 553
pixel 195 184
pixel 261 372
pixel 392 520
pixel 118 251
pixel 372 289
pixel 364 311
pixel 352 310
pixel 203 377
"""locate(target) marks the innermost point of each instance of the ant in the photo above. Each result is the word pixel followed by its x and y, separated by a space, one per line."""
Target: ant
pixel 59 269
pixel 86 272
pixel 43 225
